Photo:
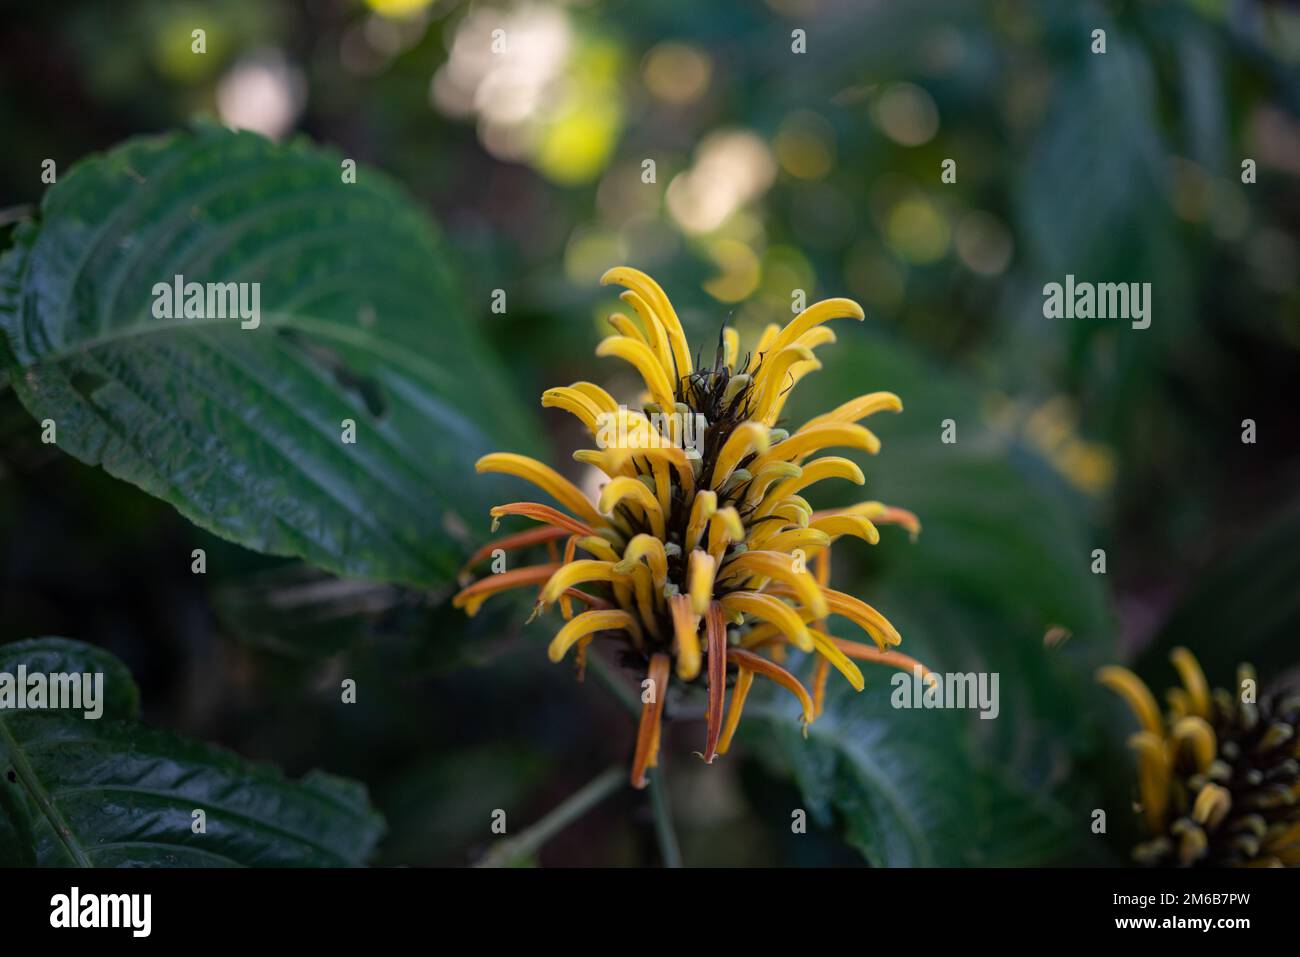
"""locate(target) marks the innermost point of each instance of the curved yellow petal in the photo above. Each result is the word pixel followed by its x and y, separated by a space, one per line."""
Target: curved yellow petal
pixel 744 680
pixel 770 669
pixel 653 293
pixel 792 378
pixel 771 608
pixel 639 355
pixel 686 630
pixel 702 509
pixel 879 513
pixel 595 545
pixel 575 573
pixel 587 623
pixel 471 598
pixel 821 336
pixel 1136 695
pixel 805 539
pixel 629 431
pixel 792 509
pixel 832 653
pixel 838 525
pixel 1153 776
pixel 623 488
pixel 1195 734
pixel 745 438
pixel 1189 670
pixel 603 400
pixel 545 478
pixel 894 659
pixel 857 409
pixel 700 569
pixel 677 458
pixel 1212 806
pixel 540 513
pixel 771 474
pixel 882 632
pixel 770 332
pixel 646 601
pixel 626 327
pixel 779 567
pixel 613 462
pixel 771 374
pixel 823 436
pixel 647 732
pixel 575 403
pixel 730 346
pixel 652 550
pixel 655 336
pixel 815 315
pixel 830 466
pixel 724 527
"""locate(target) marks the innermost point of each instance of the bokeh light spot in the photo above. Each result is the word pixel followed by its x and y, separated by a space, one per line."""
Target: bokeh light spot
pixel 906 114
pixel 738 271
pixel 677 73
pixel 805 145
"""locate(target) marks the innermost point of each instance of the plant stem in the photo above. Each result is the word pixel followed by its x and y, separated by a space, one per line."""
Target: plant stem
pixel 663 812
pixel 511 850
pixel 659 804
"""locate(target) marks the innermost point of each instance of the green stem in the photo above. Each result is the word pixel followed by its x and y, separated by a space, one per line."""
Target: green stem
pixel 530 840
pixel 659 804
pixel 663 812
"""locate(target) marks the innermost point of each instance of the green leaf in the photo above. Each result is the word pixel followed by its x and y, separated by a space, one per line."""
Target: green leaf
pixel 112 793
pixel 999 525
pixel 917 787
pixel 1080 193
pixel 241 429
pixel 298 612
pixel 1003 555
pixel 61 656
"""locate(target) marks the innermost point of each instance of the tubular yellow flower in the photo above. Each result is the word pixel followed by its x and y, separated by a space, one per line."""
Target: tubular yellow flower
pixel 585 624
pixel 1218 773
pixel 835 526
pixel 699 537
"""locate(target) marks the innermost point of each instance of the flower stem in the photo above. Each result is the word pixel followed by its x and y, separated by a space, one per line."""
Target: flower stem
pixel 514 849
pixel 669 850
pixel 663 812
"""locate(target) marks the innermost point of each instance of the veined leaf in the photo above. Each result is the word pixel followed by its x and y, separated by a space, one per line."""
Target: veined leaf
pixel 109 792
pixel 242 429
pixel 1003 555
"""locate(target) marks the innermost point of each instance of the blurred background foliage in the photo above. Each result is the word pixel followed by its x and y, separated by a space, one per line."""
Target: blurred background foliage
pixel 773 171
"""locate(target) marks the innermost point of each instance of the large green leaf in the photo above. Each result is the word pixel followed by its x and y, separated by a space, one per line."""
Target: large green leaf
pixel 301 613
pixel 241 429
pixel 946 787
pixel 110 792
pixel 1003 556
pixel 1000 526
